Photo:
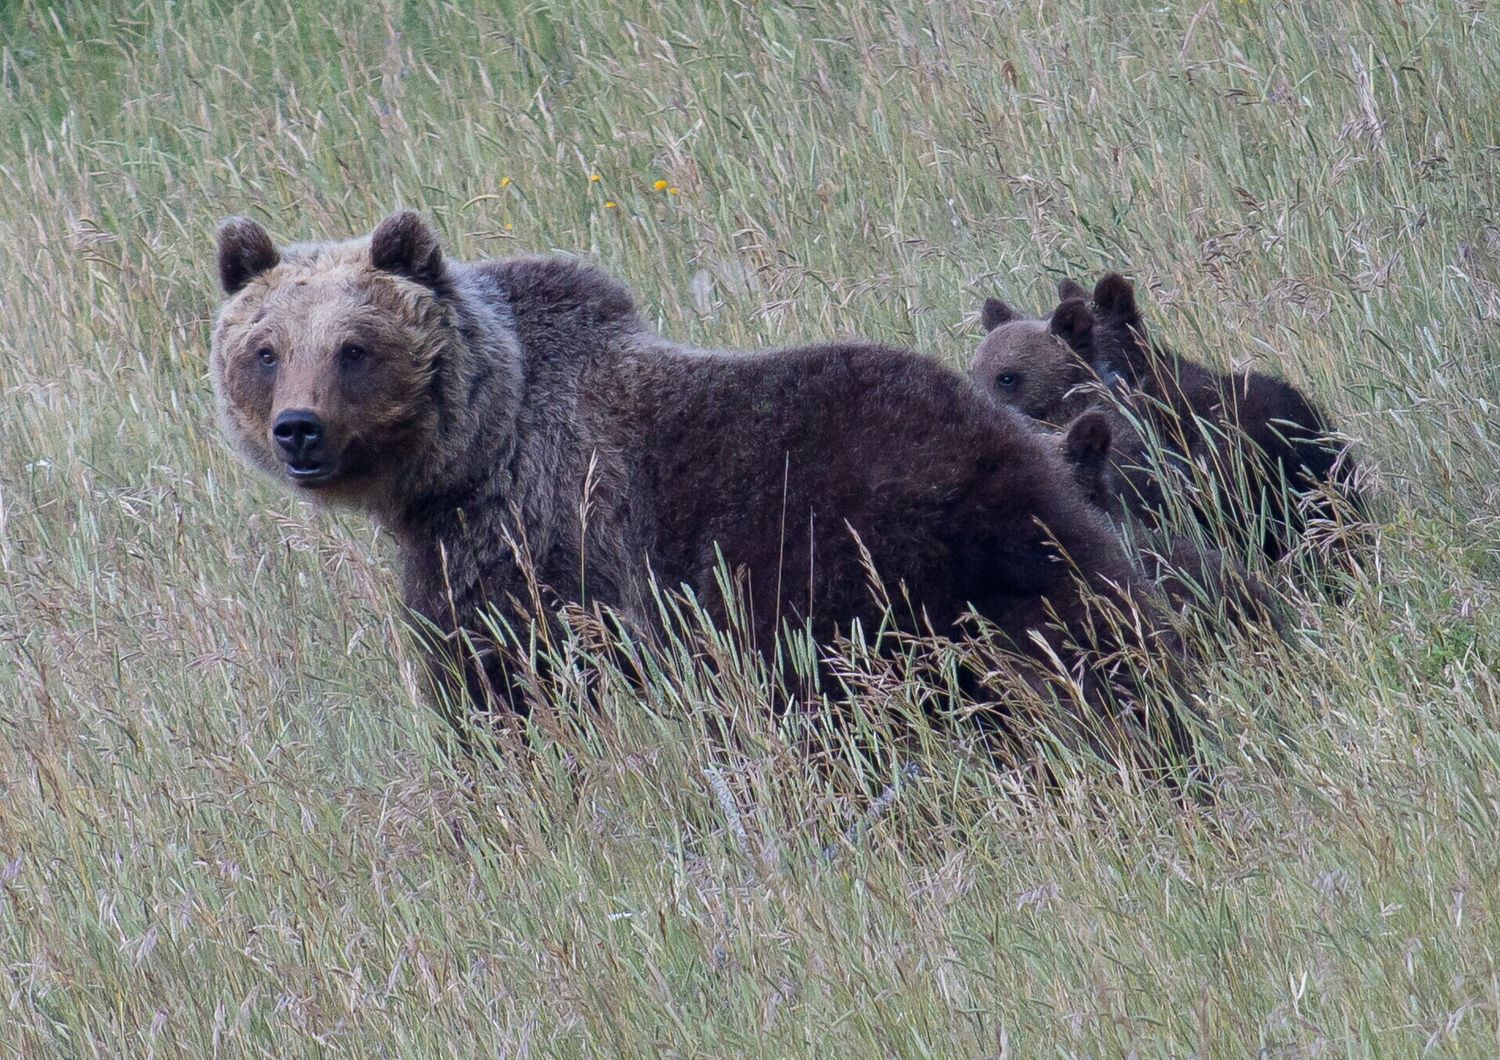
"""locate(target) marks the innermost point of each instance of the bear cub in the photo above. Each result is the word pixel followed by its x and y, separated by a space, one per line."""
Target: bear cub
pixel 1192 577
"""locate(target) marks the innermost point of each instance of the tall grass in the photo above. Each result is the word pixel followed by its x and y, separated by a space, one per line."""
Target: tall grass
pixel 227 822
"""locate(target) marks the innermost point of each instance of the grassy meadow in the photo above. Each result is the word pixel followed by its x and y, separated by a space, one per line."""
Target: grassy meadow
pixel 230 826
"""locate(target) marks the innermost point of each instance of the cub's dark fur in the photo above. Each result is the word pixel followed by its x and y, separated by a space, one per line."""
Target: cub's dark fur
pixel 1103 450
pixel 1268 424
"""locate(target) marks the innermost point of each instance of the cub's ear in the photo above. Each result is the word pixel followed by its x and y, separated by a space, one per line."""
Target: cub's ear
pixel 1067 290
pixel 245 251
pixel 406 245
pixel 995 313
pixel 1072 322
pixel 1115 297
pixel 1088 441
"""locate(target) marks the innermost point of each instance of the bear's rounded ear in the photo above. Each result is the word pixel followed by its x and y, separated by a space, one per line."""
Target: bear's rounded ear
pixel 995 313
pixel 1114 296
pixel 1088 441
pixel 406 245
pixel 245 251
pixel 1068 290
pixel 1072 322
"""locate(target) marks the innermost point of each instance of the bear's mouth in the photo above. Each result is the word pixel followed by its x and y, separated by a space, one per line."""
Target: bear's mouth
pixel 309 474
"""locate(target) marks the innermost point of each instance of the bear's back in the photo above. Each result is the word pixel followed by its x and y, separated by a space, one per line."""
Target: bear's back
pixel 556 298
pixel 776 460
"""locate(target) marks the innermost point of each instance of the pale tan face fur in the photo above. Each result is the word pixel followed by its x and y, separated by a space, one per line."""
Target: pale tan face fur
pixel 1032 364
pixel 1026 366
pixel 322 332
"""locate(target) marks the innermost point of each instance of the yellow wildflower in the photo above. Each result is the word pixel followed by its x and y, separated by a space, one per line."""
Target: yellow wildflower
pixel 595 178
pixel 505 182
pixel 674 191
pixel 660 185
pixel 610 205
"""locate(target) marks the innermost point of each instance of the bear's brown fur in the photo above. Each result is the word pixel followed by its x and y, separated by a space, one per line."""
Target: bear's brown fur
pixel 519 416
pixel 1263 447
pixel 1111 464
pixel 1038 366
pixel 1191 576
pixel 1300 468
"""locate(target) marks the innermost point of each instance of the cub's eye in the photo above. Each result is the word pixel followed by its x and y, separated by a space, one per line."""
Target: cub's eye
pixel 1007 380
pixel 267 356
pixel 352 352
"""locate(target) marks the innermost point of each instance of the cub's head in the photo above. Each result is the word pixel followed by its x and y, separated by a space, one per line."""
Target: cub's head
pixel 323 355
pixel 1087 447
pixel 1120 339
pixel 1037 366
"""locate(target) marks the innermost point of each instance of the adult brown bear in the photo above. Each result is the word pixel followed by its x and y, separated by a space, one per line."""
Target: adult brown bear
pixel 531 443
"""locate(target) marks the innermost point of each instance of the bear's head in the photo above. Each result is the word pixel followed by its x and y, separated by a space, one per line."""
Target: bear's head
pixel 324 354
pixel 1118 344
pixel 1120 339
pixel 1087 446
pixel 1040 367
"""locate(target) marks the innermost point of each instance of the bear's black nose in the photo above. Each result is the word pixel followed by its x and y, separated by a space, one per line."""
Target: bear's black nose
pixel 298 432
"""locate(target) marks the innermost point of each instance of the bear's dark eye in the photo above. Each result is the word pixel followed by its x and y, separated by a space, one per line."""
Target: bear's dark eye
pixel 1007 380
pixel 352 352
pixel 267 356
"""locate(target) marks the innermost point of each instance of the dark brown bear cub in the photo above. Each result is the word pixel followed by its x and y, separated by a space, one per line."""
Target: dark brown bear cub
pixel 519 416
pixel 1192 577
pixel 1287 442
